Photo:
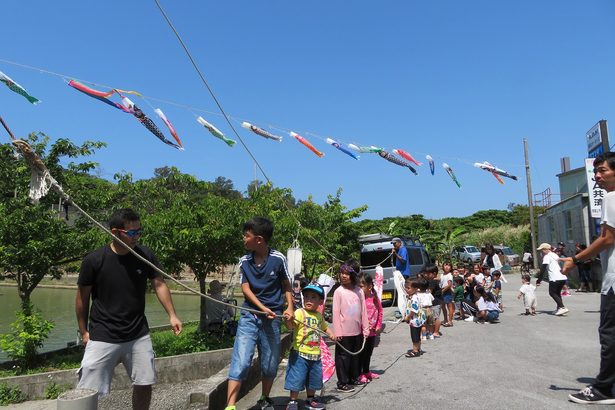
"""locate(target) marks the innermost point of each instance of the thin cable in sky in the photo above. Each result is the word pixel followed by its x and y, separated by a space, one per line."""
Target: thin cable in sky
pixel 230 124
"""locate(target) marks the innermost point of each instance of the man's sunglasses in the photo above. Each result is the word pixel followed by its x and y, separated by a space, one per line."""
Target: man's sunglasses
pixel 132 232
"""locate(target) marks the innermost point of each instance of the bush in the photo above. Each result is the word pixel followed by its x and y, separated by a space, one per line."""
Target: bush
pixel 53 390
pixel 516 237
pixel 27 335
pixel 189 341
pixel 10 395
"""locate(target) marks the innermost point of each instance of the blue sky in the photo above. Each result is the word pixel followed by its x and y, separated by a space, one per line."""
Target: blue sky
pixel 463 81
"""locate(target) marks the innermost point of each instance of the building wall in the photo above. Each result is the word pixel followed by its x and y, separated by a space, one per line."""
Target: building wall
pixel 572 183
pixel 567 222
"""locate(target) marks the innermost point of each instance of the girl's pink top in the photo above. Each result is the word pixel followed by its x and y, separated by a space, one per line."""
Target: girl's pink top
pixel 374 314
pixel 349 312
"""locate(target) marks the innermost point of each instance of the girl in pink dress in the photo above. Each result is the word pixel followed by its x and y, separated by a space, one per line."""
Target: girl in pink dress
pixel 350 326
pixel 374 317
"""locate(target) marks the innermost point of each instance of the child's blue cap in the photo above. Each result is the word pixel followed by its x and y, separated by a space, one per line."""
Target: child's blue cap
pixel 315 287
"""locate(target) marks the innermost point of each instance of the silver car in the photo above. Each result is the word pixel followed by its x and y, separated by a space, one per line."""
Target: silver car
pixel 512 258
pixel 467 253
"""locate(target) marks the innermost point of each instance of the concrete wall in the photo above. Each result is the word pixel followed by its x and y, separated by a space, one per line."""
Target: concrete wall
pixel 168 369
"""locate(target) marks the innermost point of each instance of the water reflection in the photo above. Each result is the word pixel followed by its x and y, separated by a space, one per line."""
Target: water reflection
pixel 58 305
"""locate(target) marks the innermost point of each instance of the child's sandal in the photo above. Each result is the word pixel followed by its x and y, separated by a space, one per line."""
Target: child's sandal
pixel 413 354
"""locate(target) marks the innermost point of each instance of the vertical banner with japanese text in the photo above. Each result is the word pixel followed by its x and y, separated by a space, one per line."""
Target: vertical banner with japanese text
pixel 596 194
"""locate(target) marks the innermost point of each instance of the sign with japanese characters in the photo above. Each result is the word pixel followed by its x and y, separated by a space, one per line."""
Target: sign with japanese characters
pixel 597 139
pixel 596 194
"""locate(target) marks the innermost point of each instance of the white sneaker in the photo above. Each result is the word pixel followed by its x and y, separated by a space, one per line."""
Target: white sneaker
pixel 561 311
pixel 469 319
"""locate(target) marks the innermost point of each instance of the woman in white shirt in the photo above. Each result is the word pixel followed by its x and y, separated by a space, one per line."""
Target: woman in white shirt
pixel 557 280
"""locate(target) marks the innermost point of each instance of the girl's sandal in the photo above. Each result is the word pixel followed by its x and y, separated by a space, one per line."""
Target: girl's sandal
pixel 413 354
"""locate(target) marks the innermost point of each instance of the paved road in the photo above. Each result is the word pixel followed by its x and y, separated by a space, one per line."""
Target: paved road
pixel 520 363
pixel 523 362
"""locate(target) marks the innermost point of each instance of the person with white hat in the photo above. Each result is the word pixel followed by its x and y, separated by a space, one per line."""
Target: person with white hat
pixel 557 280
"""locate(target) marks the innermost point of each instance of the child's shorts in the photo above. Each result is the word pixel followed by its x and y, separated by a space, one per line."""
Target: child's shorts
pixel 436 309
pixel 429 319
pixel 529 302
pixel 415 334
pixel 302 373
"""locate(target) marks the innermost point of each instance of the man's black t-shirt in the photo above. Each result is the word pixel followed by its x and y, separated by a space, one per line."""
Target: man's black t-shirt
pixel 118 285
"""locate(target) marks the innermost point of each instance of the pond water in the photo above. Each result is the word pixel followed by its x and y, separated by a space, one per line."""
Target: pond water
pixel 58 305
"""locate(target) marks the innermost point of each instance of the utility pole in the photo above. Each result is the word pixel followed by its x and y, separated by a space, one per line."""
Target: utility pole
pixel 530 202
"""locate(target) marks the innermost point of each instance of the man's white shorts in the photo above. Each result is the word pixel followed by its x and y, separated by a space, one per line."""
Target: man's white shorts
pixel 100 359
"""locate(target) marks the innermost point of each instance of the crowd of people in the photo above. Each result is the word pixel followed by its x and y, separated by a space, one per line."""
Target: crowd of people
pixel 113 279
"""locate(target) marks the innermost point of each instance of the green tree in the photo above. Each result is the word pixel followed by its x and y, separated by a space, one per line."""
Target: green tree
pixel 34 242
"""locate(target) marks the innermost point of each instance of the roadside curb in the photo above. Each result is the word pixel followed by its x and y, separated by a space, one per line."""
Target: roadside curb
pixel 212 393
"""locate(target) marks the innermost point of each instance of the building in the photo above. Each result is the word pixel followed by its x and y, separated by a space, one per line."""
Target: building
pixel 576 217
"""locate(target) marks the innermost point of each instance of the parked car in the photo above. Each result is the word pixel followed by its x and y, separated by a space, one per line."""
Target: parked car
pixel 467 253
pixel 512 258
pixel 376 250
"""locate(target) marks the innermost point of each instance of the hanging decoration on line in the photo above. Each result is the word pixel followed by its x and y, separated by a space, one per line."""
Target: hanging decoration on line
pixel 407 156
pixel 495 171
pixel 364 149
pixel 392 158
pixel 450 172
pixel 260 131
pixel 147 122
pixel 306 143
pixel 16 88
pixel 40 178
pixel 344 150
pixel 432 164
pixel 101 95
pixel 164 119
pixel 216 132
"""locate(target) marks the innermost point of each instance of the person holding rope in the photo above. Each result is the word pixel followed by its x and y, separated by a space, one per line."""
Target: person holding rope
pixel 116 281
pixel 400 255
pixel 304 369
pixel 265 283
pixel 350 325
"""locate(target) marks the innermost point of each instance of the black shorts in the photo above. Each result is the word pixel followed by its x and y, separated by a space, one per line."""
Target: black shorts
pixel 415 334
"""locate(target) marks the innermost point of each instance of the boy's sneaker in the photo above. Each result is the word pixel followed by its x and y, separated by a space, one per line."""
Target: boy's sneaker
pixel 561 311
pixel 265 403
pixel 424 337
pixel 590 395
pixel 469 319
pixel 373 375
pixel 312 404
pixel 345 388
pixel 363 379
pixel 431 336
pixel 292 405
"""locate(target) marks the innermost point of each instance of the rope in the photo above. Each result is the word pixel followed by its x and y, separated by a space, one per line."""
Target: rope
pixel 378 264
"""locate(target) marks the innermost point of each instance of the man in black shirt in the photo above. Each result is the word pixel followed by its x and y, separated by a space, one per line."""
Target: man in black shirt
pixel 117 331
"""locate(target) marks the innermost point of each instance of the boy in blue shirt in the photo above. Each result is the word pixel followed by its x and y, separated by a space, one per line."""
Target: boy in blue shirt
pixel 265 284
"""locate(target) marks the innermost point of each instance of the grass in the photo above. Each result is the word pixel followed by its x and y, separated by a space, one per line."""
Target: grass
pixel 165 344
